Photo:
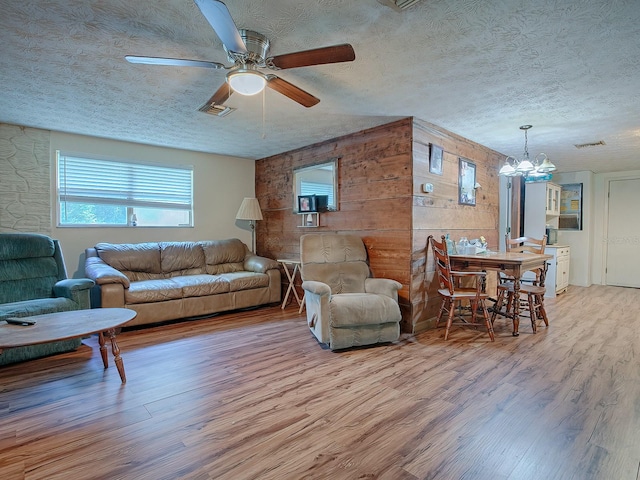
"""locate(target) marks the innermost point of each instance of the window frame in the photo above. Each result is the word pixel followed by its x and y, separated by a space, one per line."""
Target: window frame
pixel 132 204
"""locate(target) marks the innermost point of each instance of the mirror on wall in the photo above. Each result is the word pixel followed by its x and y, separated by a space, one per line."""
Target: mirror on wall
pixel 319 179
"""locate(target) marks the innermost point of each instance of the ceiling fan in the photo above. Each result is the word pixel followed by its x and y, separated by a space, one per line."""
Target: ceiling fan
pixel 248 51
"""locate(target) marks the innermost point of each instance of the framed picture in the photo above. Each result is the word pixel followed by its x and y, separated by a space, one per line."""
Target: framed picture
pixel 304 203
pixel 435 159
pixel 570 207
pixel 466 182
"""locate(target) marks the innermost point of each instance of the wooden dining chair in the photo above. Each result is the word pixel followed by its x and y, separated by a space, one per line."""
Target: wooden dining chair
pixel 531 292
pixel 454 292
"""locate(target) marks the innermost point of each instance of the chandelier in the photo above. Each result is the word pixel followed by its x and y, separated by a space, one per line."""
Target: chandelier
pixel 540 166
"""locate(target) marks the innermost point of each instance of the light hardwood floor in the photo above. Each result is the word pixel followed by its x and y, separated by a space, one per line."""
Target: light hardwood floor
pixel 252 395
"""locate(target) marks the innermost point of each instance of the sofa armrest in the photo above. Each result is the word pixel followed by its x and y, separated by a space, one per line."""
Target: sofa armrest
pixel 316 288
pixel 76 289
pixel 258 264
pixel 102 273
pixel 382 286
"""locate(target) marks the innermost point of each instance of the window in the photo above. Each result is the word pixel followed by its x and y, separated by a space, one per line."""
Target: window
pixel 110 193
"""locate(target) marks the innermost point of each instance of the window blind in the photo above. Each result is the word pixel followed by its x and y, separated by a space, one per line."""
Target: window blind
pixel 313 188
pixel 130 184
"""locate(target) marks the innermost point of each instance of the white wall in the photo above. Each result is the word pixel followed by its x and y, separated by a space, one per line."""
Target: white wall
pixel 580 241
pixel 600 220
pixel 220 184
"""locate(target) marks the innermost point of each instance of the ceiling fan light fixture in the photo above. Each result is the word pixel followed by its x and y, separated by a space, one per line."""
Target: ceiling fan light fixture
pixel 247 81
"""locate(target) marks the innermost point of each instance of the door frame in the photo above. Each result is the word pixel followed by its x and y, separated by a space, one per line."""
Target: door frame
pixel 605 225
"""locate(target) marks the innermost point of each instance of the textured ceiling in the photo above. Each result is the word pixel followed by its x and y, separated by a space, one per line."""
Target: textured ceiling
pixel 479 68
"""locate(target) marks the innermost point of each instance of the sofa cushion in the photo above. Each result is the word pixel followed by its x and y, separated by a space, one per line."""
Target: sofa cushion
pixel 39 306
pixel 182 258
pixel 224 256
pixel 346 277
pixel 27 279
pixel 349 309
pixel 147 291
pixel 26 245
pixel 202 285
pixel 28 268
pixel 245 280
pixel 135 260
pixel 337 260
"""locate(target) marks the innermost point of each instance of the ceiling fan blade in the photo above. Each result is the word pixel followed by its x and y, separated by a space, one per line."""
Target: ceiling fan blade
pixel 289 90
pixel 317 56
pixel 218 98
pixel 217 14
pixel 177 62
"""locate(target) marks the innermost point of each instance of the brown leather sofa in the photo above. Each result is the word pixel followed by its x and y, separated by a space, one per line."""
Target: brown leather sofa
pixel 173 280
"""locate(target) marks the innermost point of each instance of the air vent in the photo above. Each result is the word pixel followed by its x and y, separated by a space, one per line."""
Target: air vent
pixel 215 109
pixel 594 144
pixel 399 5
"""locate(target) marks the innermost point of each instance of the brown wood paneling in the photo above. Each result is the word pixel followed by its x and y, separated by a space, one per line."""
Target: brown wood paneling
pixel 439 212
pixel 375 197
pixel 380 174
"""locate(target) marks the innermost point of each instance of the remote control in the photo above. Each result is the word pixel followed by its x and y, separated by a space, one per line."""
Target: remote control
pixel 20 321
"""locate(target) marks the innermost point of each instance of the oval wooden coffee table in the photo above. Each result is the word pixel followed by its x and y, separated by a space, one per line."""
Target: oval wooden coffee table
pixel 65 325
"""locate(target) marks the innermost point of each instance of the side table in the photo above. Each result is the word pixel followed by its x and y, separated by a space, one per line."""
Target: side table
pixel 291 275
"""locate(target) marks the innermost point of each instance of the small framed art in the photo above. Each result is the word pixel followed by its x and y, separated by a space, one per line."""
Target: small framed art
pixel 435 159
pixel 467 182
pixel 570 207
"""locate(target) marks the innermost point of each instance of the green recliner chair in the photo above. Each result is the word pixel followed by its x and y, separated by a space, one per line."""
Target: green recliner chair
pixel 33 281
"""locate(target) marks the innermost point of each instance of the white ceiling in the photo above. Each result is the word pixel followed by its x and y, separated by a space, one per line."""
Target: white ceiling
pixel 479 68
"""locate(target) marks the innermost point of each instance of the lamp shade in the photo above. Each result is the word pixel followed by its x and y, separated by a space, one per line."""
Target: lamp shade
pixel 249 210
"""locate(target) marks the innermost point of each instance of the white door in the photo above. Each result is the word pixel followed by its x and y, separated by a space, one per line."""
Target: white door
pixel 623 234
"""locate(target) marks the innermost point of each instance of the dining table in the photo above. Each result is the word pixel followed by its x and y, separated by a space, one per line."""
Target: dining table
pixel 513 264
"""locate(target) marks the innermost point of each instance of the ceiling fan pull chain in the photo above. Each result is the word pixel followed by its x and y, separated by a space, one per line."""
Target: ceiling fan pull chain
pixel 264 102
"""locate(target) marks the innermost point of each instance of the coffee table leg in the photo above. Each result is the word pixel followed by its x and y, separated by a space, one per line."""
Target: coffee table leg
pixel 115 349
pixel 103 350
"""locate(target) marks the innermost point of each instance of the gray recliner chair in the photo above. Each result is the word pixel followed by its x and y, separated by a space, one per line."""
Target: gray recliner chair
pixel 346 307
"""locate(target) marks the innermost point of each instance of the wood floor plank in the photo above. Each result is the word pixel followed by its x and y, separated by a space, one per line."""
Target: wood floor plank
pixel 252 395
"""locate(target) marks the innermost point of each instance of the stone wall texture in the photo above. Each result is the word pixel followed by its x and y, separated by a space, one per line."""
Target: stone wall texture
pixel 25 186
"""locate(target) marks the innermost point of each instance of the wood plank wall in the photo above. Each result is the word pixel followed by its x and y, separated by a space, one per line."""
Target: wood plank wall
pixel 439 213
pixel 374 199
pixel 380 173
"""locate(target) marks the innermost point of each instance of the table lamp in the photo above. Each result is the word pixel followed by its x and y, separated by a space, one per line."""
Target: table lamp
pixel 250 210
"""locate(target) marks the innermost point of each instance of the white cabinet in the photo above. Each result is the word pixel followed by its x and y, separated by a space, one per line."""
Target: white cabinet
pixel 553 199
pixel 557 279
pixel 562 273
pixel 541 207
